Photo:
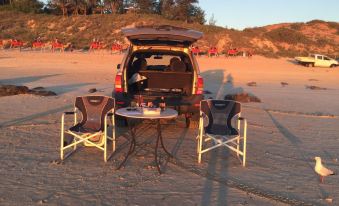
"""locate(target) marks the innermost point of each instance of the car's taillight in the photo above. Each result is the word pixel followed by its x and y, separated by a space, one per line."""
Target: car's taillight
pixel 200 85
pixel 118 83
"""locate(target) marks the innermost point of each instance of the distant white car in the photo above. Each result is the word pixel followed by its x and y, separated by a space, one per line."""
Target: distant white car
pixel 317 60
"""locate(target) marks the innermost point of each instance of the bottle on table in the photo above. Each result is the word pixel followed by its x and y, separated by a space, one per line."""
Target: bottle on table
pixel 140 100
pixel 162 103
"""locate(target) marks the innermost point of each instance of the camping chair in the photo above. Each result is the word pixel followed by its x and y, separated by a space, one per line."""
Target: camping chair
pixel 216 124
pixel 92 129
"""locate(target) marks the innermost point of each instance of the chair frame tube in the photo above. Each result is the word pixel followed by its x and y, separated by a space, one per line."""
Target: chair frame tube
pixel 85 137
pixel 203 137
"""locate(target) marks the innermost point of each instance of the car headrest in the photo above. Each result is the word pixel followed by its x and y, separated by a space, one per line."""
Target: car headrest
pixel 139 64
pixel 178 66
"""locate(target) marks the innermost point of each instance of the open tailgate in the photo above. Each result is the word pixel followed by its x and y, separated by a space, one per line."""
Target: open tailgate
pixel 161 35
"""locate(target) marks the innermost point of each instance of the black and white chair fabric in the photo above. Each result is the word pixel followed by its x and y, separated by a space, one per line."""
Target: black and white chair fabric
pixel 215 125
pixel 92 129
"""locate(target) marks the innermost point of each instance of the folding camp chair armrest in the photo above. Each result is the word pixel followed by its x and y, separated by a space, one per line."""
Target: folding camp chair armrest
pixel 67 113
pixel 109 114
pixel 242 118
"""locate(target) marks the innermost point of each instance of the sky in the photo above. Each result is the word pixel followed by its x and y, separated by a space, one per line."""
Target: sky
pixel 239 14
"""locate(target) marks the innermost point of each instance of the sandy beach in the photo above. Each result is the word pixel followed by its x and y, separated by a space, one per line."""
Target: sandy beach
pixel 291 126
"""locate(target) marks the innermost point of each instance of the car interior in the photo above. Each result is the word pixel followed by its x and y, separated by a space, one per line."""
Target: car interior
pixel 160 71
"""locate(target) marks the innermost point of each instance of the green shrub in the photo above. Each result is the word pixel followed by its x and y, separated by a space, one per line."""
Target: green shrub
pixel 296 26
pixel 334 25
pixel 254 32
pixel 287 35
pixel 105 27
pixel 316 21
pixel 322 42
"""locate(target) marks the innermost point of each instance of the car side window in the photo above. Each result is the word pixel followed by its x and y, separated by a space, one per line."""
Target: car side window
pixel 319 57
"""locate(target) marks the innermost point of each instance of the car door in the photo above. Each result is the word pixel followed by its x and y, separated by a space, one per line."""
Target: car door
pixel 319 62
pixel 327 62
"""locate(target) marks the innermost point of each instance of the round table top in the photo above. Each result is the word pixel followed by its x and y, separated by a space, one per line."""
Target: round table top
pixel 168 113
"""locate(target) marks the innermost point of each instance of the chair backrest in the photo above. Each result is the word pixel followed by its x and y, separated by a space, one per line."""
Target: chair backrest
pixel 220 114
pixel 94 109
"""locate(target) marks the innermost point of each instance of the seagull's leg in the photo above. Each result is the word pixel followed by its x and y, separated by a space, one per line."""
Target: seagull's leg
pixel 321 179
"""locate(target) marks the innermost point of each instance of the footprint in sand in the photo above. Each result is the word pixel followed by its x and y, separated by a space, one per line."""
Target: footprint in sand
pixel 56 162
pixel 283 84
pixel 312 87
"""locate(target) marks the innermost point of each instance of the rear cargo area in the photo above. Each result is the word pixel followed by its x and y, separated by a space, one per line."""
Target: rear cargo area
pixel 167 82
pixel 160 74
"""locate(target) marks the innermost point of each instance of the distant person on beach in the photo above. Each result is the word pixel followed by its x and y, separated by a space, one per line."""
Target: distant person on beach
pixel 38 39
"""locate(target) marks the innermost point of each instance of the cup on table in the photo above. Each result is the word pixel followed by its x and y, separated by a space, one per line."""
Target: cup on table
pixel 149 104
pixel 133 104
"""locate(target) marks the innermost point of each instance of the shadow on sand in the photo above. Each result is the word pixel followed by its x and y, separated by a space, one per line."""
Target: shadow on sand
pixel 215 162
pixel 34 116
pixel 218 85
pixel 62 89
pixel 296 143
pixel 292 61
pixel 25 80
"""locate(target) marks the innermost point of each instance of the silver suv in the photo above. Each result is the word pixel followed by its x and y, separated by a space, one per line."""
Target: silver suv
pixel 160 65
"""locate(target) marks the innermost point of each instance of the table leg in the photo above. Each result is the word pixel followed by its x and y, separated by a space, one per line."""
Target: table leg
pixel 132 144
pixel 156 155
pixel 161 141
pixel 159 137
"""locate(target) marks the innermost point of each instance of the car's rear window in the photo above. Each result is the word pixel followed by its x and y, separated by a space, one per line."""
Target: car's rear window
pixel 166 62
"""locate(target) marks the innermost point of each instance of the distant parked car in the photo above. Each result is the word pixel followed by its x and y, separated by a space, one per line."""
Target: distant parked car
pixel 317 60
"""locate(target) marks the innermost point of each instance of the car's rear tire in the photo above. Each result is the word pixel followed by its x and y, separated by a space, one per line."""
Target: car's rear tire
pixel 310 65
pixel 120 121
pixel 333 65
pixel 192 124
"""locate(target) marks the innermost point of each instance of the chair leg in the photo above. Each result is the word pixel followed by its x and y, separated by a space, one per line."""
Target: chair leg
pixel 200 148
pixel 62 146
pixel 105 147
pixel 113 133
pixel 200 137
pixel 75 146
pixel 75 122
pixel 238 145
pixel 198 142
pixel 105 139
pixel 244 146
pixel 244 153
pixel 62 139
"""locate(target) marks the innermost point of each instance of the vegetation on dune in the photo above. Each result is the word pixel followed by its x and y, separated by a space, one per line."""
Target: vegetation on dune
pixel 184 10
pixel 287 35
pixel 79 21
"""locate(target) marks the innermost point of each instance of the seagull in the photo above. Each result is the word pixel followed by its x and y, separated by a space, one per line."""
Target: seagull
pixel 321 170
